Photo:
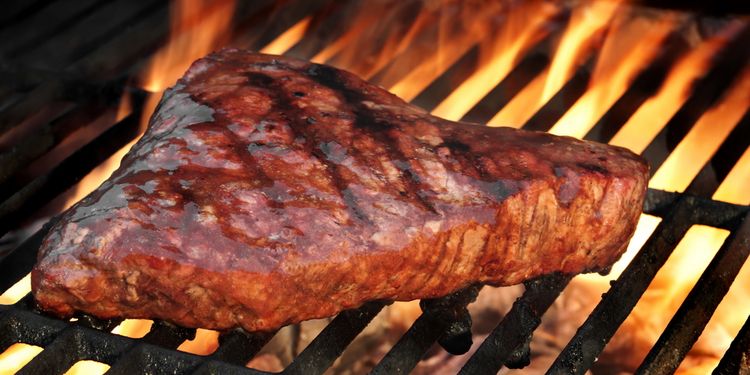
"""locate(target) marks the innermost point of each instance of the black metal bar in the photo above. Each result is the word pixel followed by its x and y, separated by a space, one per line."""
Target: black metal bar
pixel 707 91
pixel 16 11
pixel 721 163
pixel 56 51
pixel 736 360
pixel 18 325
pixel 441 87
pixel 616 305
pixel 518 78
pixel 43 188
pixel 43 139
pixel 712 213
pixel 560 103
pixel 238 347
pixel 517 326
pixel 718 8
pixel 325 27
pixel 437 316
pixel 150 359
pixel 125 52
pixel 73 344
pixel 256 33
pixel 331 342
pixel 45 23
pixel 695 312
pixel 216 367
pixel 19 262
pixel 643 87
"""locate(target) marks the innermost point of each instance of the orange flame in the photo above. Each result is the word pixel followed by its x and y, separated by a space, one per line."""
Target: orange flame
pixel 288 39
pixel 630 46
pixel 587 23
pixel 197 27
pixel 524 27
pixel 704 138
pixel 651 117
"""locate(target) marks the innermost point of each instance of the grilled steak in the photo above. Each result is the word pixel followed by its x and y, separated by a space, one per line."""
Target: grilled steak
pixel 269 190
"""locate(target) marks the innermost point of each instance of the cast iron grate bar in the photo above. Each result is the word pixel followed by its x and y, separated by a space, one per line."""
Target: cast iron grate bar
pixel 643 87
pixel 237 346
pixel 442 86
pixel 45 23
pixel 583 349
pixel 517 326
pixel 518 78
pixel 100 24
pixel 736 360
pixel 558 105
pixel 443 319
pixel 721 163
pixel 733 58
pixel 18 263
pixel 45 187
pixel 694 313
pixel 76 343
pixel 331 342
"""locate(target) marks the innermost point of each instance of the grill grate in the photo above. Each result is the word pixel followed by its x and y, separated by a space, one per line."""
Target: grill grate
pixel 79 62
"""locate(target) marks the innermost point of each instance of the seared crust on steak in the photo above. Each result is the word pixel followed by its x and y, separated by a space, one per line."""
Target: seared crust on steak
pixel 269 190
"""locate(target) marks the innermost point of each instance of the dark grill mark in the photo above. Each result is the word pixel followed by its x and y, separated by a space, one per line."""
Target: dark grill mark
pixel 379 129
pixel 594 168
pixel 300 125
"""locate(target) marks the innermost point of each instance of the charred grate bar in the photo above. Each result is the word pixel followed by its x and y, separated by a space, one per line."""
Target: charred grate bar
pixel 67 342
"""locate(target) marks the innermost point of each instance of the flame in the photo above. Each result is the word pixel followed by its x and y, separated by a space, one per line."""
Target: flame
pixel 524 27
pixel 17 356
pixel 650 118
pixel 197 27
pixel 630 45
pixel 288 39
pixel 704 138
pixel 205 342
pixel 587 23
pixel 523 105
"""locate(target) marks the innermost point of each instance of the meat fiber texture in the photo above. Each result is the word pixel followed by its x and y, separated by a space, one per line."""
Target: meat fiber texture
pixel 269 190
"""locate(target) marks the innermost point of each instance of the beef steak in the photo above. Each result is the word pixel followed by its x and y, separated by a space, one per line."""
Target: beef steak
pixel 269 190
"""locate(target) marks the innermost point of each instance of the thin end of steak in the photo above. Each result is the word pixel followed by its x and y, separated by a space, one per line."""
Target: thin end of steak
pixel 269 190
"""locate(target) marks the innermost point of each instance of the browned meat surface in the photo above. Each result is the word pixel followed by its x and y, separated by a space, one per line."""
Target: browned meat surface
pixel 269 190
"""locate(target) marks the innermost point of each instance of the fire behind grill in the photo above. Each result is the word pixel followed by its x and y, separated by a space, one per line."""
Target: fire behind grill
pixel 82 54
